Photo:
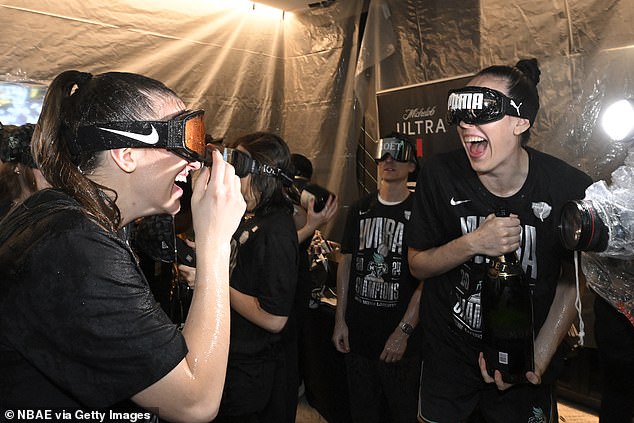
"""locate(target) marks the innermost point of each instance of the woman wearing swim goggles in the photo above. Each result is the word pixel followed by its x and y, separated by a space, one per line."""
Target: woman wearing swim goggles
pixel 263 283
pixel 113 146
pixel 184 135
pixel 453 228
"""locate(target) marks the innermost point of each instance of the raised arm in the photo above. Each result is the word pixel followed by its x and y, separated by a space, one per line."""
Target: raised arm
pixel 191 392
pixel 314 220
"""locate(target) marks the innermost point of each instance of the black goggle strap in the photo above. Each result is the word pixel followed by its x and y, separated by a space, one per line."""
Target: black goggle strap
pixel 185 135
pixel 245 165
pixel 481 105
pixel 400 150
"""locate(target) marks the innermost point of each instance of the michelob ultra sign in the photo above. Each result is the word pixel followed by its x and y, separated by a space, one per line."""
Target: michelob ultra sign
pixel 420 112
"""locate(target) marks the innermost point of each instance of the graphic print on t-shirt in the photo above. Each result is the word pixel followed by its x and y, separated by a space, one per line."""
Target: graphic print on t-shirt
pixel 467 315
pixel 466 311
pixel 378 261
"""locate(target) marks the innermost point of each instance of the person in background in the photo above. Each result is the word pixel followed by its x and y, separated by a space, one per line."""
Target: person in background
pixel 453 229
pixel 307 220
pixel 19 176
pixel 378 298
pixel 79 328
pixel 263 282
pixel 306 223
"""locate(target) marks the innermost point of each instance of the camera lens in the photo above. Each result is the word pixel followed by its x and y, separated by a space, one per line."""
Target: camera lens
pixel 581 227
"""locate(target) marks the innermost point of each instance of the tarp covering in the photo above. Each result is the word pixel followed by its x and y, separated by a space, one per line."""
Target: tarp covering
pixel 297 74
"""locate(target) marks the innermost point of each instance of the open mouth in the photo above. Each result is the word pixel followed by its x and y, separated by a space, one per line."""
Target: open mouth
pixel 181 177
pixel 476 146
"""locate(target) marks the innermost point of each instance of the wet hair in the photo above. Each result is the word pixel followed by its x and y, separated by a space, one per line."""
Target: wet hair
pixel 522 80
pixel 268 149
pixel 76 99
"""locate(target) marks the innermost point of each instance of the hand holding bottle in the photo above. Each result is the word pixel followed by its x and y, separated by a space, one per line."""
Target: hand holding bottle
pixel 532 377
pixel 497 235
pixel 507 319
pixel 314 219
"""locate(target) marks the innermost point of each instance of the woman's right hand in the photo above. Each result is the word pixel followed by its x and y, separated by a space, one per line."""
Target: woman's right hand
pixel 217 202
pixel 497 235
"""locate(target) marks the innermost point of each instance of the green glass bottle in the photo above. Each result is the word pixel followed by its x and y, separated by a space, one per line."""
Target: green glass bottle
pixel 507 317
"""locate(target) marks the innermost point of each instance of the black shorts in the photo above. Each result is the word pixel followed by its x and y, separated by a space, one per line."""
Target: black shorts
pixel 382 392
pixel 522 403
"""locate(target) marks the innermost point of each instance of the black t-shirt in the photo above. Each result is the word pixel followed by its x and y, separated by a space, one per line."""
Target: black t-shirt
pixel 380 285
pixel 265 268
pixel 450 201
pixel 79 326
pixel 264 263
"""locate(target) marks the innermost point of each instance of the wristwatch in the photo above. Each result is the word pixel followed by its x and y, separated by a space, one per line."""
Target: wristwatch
pixel 406 328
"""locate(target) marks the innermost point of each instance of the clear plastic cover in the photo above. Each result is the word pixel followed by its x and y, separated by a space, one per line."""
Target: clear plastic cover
pixel 614 204
pixel 611 273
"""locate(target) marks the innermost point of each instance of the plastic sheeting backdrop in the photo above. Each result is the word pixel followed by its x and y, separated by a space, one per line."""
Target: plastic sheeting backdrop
pixel 297 76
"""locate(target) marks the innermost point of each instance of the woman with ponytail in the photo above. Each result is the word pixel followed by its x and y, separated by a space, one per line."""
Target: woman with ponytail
pixel 79 328
pixel 453 229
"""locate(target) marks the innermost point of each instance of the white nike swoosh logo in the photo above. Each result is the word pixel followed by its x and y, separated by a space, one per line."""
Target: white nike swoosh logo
pixel 151 138
pixel 455 203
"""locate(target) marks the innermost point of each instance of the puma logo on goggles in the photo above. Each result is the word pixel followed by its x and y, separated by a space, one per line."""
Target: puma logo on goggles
pixel 479 105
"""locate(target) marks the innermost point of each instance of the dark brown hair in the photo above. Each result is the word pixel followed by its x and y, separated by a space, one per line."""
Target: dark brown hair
pixel 522 80
pixel 77 99
pixel 269 149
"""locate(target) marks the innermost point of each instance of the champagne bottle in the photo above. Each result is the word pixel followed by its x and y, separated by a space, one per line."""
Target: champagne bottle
pixel 317 192
pixel 507 317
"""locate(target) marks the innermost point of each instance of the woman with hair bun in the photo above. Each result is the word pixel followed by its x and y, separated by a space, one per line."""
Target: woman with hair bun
pixel 79 327
pixel 453 229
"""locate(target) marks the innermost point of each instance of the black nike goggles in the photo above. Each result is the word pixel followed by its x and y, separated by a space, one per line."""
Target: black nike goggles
pixel 400 150
pixel 245 165
pixel 184 135
pixel 480 105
